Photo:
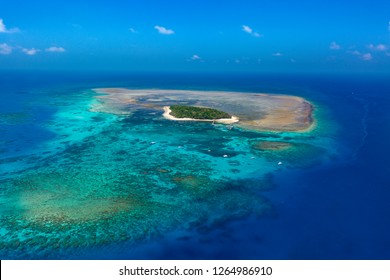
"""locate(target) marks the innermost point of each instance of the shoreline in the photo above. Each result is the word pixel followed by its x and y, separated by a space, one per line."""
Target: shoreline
pixel 168 116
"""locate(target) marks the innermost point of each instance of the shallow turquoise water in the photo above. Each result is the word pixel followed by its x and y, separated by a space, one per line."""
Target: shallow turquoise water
pixel 100 179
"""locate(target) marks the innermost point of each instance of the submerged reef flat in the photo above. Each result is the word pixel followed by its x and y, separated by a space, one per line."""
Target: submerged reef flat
pixel 132 182
pixel 255 111
pixel 115 172
pixel 288 152
pixel 271 145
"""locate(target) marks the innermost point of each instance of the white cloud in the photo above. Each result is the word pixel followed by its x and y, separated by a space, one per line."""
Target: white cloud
pixel 55 49
pixel 195 57
pixel 366 56
pixel 354 52
pixel 4 29
pixel 247 29
pixel 32 51
pixel 5 49
pixel 334 46
pixel 2 26
pixel 250 31
pixel 132 30
pixel 163 30
pixel 379 47
pixel 277 54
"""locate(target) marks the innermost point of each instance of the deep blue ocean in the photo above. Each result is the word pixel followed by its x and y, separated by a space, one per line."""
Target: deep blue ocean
pixel 337 208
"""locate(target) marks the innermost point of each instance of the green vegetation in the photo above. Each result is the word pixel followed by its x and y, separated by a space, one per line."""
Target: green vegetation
pixel 201 113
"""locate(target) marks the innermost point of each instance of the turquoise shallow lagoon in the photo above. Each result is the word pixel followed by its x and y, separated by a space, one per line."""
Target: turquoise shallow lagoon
pixel 76 182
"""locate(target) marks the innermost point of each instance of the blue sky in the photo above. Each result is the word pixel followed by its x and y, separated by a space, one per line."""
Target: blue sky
pixel 268 35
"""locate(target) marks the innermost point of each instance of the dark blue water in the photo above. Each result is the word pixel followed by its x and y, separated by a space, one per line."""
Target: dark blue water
pixel 335 210
pixel 339 210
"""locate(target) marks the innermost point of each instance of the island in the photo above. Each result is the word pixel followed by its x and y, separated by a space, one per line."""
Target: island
pixel 184 111
pixel 251 111
pixel 194 113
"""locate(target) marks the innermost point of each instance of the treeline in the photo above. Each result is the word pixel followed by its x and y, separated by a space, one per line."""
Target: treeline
pixel 184 111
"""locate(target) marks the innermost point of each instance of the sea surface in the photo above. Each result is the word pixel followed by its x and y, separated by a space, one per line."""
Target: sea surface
pixel 80 184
